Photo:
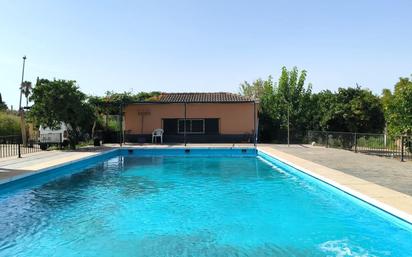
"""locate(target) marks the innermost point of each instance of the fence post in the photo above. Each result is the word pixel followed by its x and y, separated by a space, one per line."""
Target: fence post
pixel 121 125
pixel 18 147
pixel 327 140
pixel 356 143
pixel 402 147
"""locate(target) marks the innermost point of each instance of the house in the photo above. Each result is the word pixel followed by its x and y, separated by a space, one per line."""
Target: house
pixel 193 117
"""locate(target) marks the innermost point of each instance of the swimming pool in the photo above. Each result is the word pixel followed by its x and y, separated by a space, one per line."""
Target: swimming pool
pixel 202 202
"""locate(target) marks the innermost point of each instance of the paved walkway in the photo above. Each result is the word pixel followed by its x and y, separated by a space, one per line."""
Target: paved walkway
pixel 13 166
pixel 386 172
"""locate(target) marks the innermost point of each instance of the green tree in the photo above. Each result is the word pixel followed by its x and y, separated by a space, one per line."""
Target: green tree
pixel 254 90
pixel 350 110
pixel 269 118
pixel 3 105
pixel 61 101
pixel 386 98
pixel 26 89
pixel 275 100
pixel 293 95
pixel 398 109
pixel 320 109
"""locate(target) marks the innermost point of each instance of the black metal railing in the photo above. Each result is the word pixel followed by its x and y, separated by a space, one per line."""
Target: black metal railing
pixel 13 146
pixel 109 137
pixel 375 144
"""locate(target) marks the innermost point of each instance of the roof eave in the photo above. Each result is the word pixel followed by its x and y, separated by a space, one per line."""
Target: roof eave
pixel 197 102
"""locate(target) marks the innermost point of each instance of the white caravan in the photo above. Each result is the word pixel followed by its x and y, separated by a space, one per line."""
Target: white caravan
pixel 50 136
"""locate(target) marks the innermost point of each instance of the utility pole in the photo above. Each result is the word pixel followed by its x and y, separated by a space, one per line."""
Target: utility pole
pixel 21 112
pixel 22 80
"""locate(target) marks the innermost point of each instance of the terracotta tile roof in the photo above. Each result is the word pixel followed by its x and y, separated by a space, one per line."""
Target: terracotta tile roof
pixel 219 97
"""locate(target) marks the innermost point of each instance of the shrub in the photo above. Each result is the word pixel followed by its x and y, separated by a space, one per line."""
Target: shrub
pixel 9 124
pixel 371 142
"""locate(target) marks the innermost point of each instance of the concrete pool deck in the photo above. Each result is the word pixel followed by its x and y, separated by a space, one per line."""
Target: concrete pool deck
pixel 13 167
pixel 390 173
pixel 384 184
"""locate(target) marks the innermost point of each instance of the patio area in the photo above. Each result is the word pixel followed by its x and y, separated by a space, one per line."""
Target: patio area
pixel 390 173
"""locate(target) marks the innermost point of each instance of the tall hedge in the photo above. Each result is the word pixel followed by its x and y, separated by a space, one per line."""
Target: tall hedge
pixel 9 124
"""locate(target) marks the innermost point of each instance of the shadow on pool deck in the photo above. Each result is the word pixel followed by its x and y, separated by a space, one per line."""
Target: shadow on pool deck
pixel 390 173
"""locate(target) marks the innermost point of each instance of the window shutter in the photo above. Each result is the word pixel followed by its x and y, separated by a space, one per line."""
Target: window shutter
pixel 212 126
pixel 170 126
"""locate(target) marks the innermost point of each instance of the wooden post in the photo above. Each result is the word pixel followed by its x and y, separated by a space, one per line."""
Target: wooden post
pixel 254 123
pixel 18 146
pixel 402 148
pixel 356 143
pixel 121 125
pixel 288 126
pixel 184 127
pixel 327 140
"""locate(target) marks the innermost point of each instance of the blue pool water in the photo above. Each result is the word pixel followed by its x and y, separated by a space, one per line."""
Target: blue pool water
pixel 192 205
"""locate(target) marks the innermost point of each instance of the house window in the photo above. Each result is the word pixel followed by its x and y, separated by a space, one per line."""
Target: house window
pixel 171 126
pixel 193 126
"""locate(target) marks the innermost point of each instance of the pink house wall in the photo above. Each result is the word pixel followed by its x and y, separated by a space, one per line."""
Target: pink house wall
pixel 234 118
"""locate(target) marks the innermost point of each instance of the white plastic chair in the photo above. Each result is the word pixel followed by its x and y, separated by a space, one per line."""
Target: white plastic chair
pixel 157 133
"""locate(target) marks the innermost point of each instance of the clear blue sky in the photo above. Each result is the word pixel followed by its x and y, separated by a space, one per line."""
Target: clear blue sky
pixel 203 45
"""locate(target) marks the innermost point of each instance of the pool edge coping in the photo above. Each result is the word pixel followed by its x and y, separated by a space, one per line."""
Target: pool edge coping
pixel 394 211
pixel 35 172
pixel 56 166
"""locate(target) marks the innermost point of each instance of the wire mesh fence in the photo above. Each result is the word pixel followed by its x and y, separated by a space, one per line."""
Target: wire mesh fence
pixel 375 144
pixel 13 146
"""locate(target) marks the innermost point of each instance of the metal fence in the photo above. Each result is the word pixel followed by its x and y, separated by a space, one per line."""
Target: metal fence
pixel 109 137
pixel 375 144
pixel 13 146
